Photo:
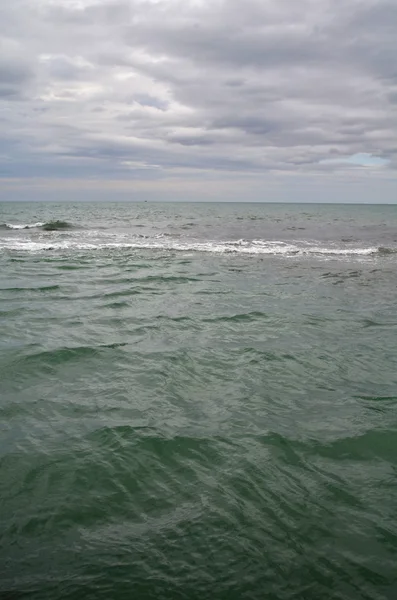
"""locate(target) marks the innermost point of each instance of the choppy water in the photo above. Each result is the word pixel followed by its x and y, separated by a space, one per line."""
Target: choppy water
pixel 198 401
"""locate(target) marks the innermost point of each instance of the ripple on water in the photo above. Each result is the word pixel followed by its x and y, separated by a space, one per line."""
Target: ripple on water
pixel 168 436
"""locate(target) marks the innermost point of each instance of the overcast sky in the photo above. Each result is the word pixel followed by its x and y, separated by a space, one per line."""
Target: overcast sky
pixel 265 100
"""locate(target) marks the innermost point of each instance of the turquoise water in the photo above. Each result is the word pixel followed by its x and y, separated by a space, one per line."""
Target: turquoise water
pixel 198 401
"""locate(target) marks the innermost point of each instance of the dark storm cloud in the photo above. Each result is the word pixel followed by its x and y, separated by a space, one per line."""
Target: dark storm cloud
pixel 119 88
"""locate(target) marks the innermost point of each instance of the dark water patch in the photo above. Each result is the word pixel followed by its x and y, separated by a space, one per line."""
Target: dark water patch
pixel 318 320
pixel 50 260
pixel 39 317
pixel 116 305
pixel 187 225
pixel 72 267
pixel 175 319
pixel 171 235
pixel 144 330
pixel 168 279
pixel 117 280
pixel 383 250
pixel 159 447
pixel 128 268
pixel 43 288
pixel 101 295
pixel 382 399
pixel 372 445
pixel 59 356
pixel 245 317
pixel 12 312
pixel 256 356
pixel 56 225
pixel 341 276
pixel 212 292
pixel 153 278
pixel 132 292
pixel 367 322
pixel 119 436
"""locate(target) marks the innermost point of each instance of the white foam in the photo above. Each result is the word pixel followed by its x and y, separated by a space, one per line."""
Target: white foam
pixel 23 226
pixel 254 247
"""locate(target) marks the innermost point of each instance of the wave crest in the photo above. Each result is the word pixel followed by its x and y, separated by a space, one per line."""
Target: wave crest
pixel 21 225
pixel 55 225
pixel 247 247
pixel 385 250
pixel 47 225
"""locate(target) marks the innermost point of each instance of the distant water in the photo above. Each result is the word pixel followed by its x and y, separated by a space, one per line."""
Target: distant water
pixel 198 401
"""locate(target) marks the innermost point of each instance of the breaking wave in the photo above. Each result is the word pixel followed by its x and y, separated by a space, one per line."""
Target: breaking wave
pixel 47 226
pixel 21 225
pixel 254 247
pixel 384 250
pixel 55 225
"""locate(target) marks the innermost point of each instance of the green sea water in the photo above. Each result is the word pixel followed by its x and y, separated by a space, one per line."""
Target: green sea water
pixel 198 401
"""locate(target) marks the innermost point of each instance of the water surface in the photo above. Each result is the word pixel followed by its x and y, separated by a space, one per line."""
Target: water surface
pixel 198 401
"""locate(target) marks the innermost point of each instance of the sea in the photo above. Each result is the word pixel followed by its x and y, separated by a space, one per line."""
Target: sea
pixel 198 401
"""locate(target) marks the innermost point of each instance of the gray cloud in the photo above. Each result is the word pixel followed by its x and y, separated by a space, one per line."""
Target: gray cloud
pixel 146 89
pixel 16 70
